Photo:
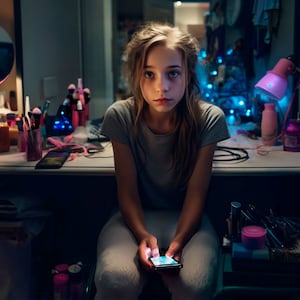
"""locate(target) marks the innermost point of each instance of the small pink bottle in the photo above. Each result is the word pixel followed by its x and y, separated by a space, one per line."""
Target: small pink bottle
pixel 269 125
pixel 291 136
pixel 61 286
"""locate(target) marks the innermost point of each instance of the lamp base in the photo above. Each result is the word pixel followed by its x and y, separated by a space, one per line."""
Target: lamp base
pixel 291 136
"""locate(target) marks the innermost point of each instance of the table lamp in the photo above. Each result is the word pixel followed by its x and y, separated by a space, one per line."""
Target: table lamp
pixel 274 85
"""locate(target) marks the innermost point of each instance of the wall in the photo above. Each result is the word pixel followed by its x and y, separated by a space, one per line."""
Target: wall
pixel 97 38
pixel 64 41
pixel 190 13
pixel 191 17
pixel 51 49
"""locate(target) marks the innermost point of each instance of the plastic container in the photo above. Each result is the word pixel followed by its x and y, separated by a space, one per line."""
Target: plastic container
pixel 22 141
pixel 34 145
pixel 253 237
pixel 291 136
pixel 80 135
pixel 269 125
pixel 61 286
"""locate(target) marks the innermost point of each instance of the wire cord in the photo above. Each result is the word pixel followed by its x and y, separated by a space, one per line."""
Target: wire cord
pixel 230 154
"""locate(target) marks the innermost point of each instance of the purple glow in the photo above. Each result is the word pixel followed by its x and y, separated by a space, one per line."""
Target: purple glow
pixel 275 82
pixel 272 85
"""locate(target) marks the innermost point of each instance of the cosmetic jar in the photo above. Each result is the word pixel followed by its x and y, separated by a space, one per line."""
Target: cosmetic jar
pixel 253 237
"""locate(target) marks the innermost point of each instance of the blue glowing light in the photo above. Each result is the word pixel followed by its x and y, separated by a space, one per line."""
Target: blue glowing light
pixel 219 60
pixel 202 54
pixel 229 51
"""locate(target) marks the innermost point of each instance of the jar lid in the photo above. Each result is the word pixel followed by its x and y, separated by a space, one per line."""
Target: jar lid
pixel 253 237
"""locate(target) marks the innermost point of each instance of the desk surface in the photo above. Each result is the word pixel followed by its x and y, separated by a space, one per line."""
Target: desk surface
pixel 273 161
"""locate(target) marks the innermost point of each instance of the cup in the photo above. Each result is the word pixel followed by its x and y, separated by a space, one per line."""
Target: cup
pixel 34 145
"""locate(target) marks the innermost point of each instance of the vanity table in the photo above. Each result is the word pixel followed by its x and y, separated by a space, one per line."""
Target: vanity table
pixel 269 178
pixel 264 161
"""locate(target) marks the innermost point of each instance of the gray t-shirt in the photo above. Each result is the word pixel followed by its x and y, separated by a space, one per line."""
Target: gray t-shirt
pixel 152 152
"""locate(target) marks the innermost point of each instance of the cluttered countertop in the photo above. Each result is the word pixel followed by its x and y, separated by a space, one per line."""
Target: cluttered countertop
pixel 242 154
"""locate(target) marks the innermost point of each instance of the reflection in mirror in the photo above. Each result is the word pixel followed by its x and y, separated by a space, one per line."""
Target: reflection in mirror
pixel 6 54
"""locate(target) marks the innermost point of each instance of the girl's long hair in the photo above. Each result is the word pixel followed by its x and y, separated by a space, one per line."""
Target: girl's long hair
pixel 188 113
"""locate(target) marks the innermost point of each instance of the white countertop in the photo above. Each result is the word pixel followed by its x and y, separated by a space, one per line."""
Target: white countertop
pixel 262 161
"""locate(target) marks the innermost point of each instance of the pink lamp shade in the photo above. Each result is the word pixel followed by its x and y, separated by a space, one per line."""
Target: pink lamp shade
pixel 275 82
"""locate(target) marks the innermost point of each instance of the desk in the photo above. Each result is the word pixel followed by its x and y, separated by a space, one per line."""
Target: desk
pixel 268 181
pixel 98 164
pixel 274 162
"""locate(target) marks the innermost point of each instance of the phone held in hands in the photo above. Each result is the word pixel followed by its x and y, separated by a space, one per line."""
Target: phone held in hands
pixel 164 262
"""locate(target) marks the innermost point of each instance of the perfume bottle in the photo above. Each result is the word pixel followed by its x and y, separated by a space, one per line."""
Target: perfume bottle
pixel 291 136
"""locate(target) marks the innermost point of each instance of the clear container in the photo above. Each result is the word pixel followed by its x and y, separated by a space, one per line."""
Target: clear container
pixel 34 145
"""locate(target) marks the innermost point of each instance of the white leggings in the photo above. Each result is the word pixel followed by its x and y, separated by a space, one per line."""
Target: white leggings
pixel 119 276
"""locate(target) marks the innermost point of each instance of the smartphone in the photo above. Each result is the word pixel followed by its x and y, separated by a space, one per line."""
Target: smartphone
pixel 53 160
pixel 165 262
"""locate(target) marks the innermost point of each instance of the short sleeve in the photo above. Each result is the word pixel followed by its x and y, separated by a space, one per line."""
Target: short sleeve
pixel 117 123
pixel 215 127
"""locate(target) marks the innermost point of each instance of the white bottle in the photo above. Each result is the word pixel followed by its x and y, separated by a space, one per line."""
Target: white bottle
pixel 269 125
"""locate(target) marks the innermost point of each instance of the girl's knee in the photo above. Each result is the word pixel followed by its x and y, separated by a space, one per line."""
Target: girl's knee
pixel 116 283
pixel 192 286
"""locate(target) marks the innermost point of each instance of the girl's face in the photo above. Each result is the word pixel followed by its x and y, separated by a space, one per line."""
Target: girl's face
pixel 163 79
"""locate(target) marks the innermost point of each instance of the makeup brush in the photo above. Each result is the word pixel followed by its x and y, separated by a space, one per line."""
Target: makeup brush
pixel 36 116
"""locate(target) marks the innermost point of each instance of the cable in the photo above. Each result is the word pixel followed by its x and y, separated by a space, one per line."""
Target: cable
pixel 223 153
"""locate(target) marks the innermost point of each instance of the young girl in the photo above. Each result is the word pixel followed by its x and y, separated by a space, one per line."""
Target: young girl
pixel 164 138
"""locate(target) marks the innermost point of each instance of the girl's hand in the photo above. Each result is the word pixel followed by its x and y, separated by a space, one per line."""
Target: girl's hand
pixel 148 248
pixel 174 250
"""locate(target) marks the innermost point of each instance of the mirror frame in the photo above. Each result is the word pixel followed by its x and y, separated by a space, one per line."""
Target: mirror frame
pixel 11 22
pixel 7 46
pixel 18 53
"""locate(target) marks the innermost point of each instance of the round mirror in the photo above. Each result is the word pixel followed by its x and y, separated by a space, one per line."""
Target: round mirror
pixel 6 54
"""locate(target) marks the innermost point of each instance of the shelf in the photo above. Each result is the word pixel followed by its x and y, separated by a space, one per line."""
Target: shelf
pixel 252 283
